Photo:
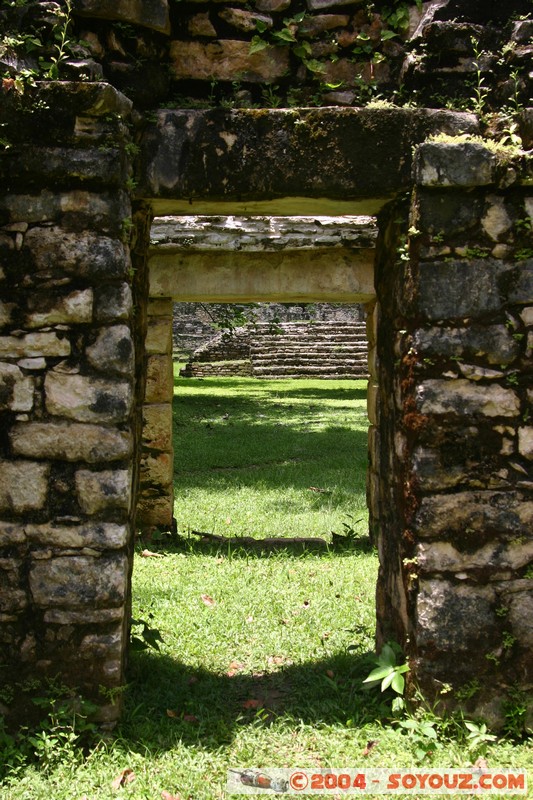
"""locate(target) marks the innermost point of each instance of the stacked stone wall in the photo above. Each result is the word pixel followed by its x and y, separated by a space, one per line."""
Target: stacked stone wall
pixel 67 394
pixel 450 486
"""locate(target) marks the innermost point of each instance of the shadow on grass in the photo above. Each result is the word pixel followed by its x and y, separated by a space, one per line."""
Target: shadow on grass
pixel 341 546
pixel 212 439
pixel 169 701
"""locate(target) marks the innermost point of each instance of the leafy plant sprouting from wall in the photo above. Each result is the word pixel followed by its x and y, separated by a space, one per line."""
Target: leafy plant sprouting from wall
pixel 287 36
pixel 38 51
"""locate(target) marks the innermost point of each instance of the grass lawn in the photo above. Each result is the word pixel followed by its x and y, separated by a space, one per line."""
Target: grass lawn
pixel 264 650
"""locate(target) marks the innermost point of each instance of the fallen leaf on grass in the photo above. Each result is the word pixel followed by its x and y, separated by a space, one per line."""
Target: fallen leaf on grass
pixel 317 489
pixel 252 703
pixel 207 600
pixel 234 668
pixel 249 619
pixel 330 673
pixel 126 776
pixel 178 715
pixel 481 763
pixel 276 659
pixel 150 554
pixel 167 796
pixel 192 679
pixel 370 746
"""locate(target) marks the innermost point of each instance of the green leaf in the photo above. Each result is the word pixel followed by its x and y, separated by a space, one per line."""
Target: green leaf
pixel 428 731
pixel 257 44
pixel 387 657
pixel 398 683
pixel 314 66
pixel 260 25
pixel 387 34
pixel 378 673
pixel 302 49
pixel 284 35
pixel 388 680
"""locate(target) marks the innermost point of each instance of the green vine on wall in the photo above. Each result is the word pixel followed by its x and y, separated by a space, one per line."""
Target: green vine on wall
pixel 36 53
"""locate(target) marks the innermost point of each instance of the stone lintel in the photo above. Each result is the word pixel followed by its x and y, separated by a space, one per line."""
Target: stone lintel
pixel 264 154
pixel 259 234
pixel 326 276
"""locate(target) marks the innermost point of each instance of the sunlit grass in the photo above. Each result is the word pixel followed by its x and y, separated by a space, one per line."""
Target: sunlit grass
pixel 263 652
pixel 270 458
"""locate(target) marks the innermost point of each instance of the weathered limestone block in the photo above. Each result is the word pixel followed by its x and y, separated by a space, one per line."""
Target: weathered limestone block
pixel 34 345
pixel 497 556
pixel 160 307
pixel 495 343
pixel 13 598
pixel 6 313
pixel 70 441
pixel 455 618
pixel 60 616
pixel 54 165
pixel 525 442
pixel 73 308
pixel 372 399
pixel 157 470
pixel 474 515
pixel 469 288
pixel 435 470
pixel 87 399
pixel 244 20
pixel 145 13
pixel 85 255
pixel 227 60
pixel 157 427
pixel 100 211
pixel 314 26
pixel 102 645
pixel 496 221
pixel 23 485
pixel 318 5
pixel 517 597
pixel 201 25
pixel 519 288
pixel 16 389
pixel 461 397
pixel 99 535
pixel 156 511
pixel 113 303
pixel 159 335
pixel 454 164
pixel 11 534
pixel 268 155
pixel 73 582
pixel 159 379
pixel 112 351
pixel 450 216
pixel 105 490
pixel 272 6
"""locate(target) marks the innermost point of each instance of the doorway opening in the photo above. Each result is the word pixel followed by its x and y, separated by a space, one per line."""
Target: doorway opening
pixel 264 641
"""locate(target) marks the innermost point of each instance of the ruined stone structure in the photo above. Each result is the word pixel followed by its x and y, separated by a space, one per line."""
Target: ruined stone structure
pixel 86 369
pixel 334 350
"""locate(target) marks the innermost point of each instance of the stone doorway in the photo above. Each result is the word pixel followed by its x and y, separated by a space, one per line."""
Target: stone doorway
pixel 246 259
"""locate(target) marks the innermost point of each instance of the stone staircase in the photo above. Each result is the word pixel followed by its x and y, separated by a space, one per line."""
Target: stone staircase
pixel 309 350
pixel 326 350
